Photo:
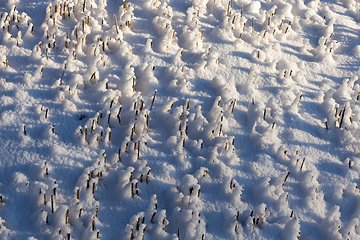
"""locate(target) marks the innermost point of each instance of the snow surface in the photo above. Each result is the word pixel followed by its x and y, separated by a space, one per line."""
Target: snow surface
pixel 195 119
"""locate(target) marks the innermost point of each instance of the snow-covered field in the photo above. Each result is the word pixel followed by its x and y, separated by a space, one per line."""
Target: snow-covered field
pixel 179 119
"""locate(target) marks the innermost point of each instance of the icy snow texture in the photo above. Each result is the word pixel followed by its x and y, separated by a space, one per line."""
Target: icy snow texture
pixel 196 119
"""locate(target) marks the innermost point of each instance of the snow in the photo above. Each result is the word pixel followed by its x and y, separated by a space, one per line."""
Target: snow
pixel 196 119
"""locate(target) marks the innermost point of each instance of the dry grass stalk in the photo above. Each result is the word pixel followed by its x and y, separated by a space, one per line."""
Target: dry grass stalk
pixel 302 164
pixel 132 133
pixel 86 135
pixel 287 175
pixel 342 116
pixel 52 203
pixel 171 106
pixel 116 24
pixel 147 123
pixel 264 113
pixel 119 154
pixel 118 115
pixel 142 105
pixel 152 217
pixel 299 99
pixel 132 190
pixel 152 103
pixel 138 154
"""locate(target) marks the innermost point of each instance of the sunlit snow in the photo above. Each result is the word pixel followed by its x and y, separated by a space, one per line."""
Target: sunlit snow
pixel 184 119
